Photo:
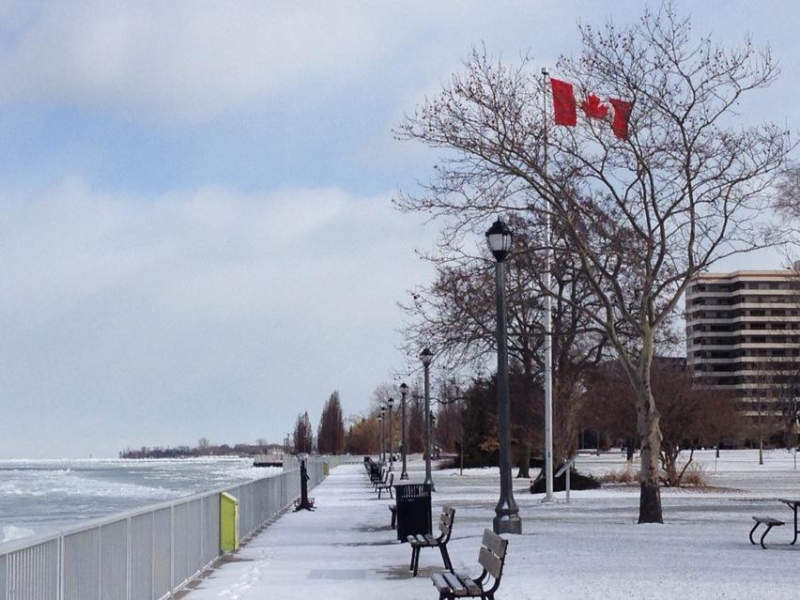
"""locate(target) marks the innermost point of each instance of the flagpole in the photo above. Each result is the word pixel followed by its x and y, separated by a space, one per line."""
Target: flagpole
pixel 548 323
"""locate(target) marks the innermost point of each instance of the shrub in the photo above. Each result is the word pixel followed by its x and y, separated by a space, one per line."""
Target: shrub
pixel 577 481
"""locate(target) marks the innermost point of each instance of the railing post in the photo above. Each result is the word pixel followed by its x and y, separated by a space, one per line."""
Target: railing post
pixel 172 551
pixel 567 467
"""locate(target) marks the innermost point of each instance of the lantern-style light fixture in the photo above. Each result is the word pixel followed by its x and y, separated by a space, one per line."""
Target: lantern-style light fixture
pixel 499 239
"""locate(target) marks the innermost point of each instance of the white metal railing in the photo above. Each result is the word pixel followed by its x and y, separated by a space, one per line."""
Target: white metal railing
pixel 147 554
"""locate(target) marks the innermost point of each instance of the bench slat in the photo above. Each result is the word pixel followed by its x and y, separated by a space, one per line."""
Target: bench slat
pixel 495 543
pixel 768 521
pixel 440 582
pixel 490 562
pixel 455 583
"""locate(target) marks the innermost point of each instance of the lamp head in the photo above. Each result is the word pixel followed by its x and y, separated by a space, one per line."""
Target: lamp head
pixel 499 239
pixel 426 356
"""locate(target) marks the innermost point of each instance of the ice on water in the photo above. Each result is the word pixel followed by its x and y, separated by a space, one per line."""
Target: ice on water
pixel 39 496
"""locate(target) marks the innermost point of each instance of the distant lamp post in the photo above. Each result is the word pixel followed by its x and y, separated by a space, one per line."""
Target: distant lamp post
pixel 383 448
pixel 390 402
pixel 403 392
pixel 506 518
pixel 426 356
pixel 433 432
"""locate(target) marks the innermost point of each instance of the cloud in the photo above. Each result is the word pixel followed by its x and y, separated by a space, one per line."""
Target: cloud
pixel 140 319
pixel 191 61
pixel 186 60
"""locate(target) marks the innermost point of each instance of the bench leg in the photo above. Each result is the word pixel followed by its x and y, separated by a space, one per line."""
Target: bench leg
pixel 418 549
pixel 446 558
pixel 752 531
pixel 763 535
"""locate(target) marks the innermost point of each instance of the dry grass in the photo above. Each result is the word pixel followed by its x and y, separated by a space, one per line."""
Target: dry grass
pixel 626 476
pixel 695 476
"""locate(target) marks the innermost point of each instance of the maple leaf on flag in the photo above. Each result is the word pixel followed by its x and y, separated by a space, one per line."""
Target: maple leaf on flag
pixel 594 107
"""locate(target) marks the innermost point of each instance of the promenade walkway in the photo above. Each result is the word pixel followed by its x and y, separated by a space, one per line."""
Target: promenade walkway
pixel 589 548
pixel 344 549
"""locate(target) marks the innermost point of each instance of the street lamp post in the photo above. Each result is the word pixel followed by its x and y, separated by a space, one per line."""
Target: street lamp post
pixel 506 518
pixel 461 433
pixel 383 446
pixel 390 402
pixel 426 357
pixel 403 392
pixel 433 432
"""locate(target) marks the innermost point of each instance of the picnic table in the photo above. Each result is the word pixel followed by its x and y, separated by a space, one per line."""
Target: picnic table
pixel 792 503
pixel 770 522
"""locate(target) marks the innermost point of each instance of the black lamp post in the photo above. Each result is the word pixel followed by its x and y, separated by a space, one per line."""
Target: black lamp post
pixel 426 356
pixel 433 432
pixel 390 402
pixel 383 447
pixel 403 392
pixel 506 518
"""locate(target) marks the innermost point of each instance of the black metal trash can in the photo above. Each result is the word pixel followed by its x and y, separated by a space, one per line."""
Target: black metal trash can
pixel 413 509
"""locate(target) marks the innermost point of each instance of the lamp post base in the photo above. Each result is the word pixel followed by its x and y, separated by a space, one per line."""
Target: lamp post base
pixel 404 475
pixel 507 524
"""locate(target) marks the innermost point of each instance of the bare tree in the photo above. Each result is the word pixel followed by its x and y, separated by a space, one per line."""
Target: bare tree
pixel 642 212
pixel 303 437
pixel 330 437
pixel 363 436
pixel 690 416
pixel 456 315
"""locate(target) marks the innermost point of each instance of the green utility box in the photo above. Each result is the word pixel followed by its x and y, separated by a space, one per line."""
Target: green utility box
pixel 228 522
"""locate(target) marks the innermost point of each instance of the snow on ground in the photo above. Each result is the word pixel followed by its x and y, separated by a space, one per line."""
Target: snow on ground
pixel 589 548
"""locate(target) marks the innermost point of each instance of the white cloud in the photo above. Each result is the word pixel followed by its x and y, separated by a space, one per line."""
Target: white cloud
pixel 151 313
pixel 190 61
pixel 186 60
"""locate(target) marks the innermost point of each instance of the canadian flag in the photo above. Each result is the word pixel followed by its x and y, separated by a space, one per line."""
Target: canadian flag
pixel 565 108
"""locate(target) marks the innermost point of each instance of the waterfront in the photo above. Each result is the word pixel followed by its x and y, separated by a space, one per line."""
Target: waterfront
pixel 41 496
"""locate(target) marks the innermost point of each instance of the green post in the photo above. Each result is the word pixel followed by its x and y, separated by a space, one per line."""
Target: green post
pixel 228 522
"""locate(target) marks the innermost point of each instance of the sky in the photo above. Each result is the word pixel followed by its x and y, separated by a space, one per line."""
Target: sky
pixel 197 237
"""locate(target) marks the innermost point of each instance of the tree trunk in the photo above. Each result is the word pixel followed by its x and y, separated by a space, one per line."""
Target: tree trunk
pixel 525 461
pixel 650 497
pixel 650 503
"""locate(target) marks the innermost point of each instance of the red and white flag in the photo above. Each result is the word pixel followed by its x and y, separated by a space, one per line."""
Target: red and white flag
pixel 565 108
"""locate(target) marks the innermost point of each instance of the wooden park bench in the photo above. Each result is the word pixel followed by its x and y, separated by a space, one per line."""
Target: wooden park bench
pixel 427 540
pixel 770 522
pixel 386 485
pixel 491 558
pixel 380 479
pixel 375 473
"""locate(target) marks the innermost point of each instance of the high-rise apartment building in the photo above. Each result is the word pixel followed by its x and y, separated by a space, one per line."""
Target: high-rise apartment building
pixel 743 335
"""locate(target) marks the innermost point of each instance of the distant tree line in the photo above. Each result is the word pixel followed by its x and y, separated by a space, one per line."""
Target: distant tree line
pixel 204 448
